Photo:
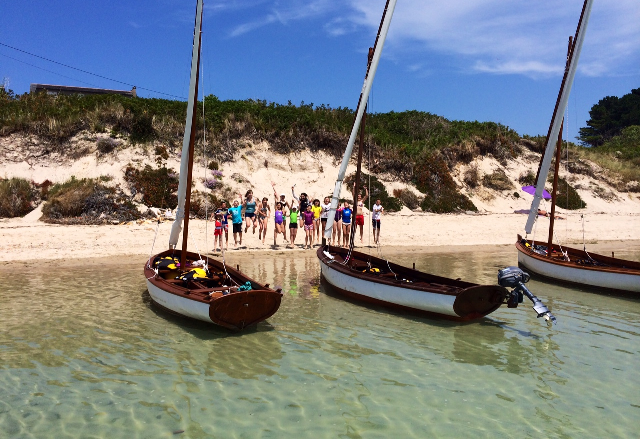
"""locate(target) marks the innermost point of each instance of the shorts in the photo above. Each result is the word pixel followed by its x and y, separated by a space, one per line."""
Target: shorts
pixel 346 224
pixel 218 232
pixel 308 226
pixel 249 215
pixel 225 226
pixel 323 220
pixel 376 224
pixel 360 220
pixel 237 228
pixel 293 225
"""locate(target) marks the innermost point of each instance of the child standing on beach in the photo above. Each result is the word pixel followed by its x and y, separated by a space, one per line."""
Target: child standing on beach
pixel 359 207
pixel 377 211
pixel 317 211
pixel 326 208
pixel 236 219
pixel 337 226
pixel 346 224
pixel 293 225
pixel 217 235
pixel 308 219
pixel 224 215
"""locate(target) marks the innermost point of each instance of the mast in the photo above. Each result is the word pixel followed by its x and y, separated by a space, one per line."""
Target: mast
pixel 554 191
pixel 558 112
pixel 188 141
pixel 356 188
pixel 385 22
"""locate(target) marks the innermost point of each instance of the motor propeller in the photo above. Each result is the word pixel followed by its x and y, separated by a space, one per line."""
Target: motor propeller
pixel 514 277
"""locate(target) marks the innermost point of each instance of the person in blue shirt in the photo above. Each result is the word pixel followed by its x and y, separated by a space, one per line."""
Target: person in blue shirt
pixel 346 224
pixel 235 213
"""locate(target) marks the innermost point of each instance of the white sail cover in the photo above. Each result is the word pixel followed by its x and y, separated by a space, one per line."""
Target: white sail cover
pixel 364 95
pixel 176 228
pixel 563 99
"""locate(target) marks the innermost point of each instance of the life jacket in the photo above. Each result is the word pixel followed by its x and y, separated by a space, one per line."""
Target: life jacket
pixel 371 270
pixel 194 274
pixel 167 263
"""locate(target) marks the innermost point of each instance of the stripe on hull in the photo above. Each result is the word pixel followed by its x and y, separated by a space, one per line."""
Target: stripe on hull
pixel 424 301
pixel 594 278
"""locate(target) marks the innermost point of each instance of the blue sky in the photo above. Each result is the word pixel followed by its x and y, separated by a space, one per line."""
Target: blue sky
pixel 486 60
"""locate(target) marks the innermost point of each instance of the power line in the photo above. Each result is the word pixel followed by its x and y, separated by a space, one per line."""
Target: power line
pixel 50 71
pixel 87 72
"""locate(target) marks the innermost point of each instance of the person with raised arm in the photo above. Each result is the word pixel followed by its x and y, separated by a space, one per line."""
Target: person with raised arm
pixel 359 208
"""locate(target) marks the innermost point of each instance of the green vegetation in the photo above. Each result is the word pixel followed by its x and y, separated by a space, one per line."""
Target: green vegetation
pixel 87 201
pixel 376 191
pixel 433 178
pixel 497 180
pixel 610 116
pixel 567 197
pixel 158 186
pixel 17 197
pixel 412 146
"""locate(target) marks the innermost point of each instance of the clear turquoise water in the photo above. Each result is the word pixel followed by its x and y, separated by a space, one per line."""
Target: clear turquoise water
pixel 84 354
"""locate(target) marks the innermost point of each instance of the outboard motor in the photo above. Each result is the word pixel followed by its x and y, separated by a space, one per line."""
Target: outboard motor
pixel 513 277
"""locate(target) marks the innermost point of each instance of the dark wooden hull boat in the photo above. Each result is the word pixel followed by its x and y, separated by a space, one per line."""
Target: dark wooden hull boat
pixel 216 300
pixel 376 281
pixel 205 290
pixel 579 267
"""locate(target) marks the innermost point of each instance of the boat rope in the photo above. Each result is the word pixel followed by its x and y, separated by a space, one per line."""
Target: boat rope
pixel 204 163
pixel 153 244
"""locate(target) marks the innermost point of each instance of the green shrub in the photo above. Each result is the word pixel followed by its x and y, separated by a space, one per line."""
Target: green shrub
pixel 567 197
pixel 433 178
pixel 17 197
pixel 157 186
pixel 472 177
pixel 407 197
pixel 87 201
pixel 376 191
pixel 497 180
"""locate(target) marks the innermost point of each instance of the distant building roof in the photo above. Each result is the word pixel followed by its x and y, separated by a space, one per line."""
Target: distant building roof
pixel 68 90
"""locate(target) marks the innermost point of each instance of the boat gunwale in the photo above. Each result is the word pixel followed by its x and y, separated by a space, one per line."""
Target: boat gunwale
pixel 197 294
pixel 429 287
pixel 613 263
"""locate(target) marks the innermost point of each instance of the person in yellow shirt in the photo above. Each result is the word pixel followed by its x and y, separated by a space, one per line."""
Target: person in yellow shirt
pixel 317 210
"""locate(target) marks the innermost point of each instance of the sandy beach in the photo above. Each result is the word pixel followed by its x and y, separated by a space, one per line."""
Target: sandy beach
pixel 610 216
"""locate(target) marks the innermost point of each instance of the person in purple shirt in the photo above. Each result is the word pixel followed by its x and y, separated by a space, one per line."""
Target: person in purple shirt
pixel 308 226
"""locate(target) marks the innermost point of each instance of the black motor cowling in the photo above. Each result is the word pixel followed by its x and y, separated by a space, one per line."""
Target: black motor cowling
pixel 514 277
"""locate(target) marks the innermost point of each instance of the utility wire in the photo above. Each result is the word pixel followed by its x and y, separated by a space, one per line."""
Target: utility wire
pixel 50 71
pixel 87 72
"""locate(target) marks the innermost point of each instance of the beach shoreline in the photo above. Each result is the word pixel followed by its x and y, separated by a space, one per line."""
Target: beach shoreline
pixel 28 239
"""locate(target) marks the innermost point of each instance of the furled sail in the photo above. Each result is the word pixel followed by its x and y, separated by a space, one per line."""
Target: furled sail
pixel 176 228
pixel 364 95
pixel 561 106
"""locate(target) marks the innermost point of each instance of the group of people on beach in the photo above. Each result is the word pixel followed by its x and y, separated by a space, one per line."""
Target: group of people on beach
pixel 301 212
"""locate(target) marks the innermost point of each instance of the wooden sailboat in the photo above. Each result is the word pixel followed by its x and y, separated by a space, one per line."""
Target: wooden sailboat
pixel 373 280
pixel 559 262
pixel 182 282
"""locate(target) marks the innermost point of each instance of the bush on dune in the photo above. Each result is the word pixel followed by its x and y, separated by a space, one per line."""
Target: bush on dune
pixel 17 197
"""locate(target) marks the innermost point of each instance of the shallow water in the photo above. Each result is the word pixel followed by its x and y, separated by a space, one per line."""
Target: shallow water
pixel 84 354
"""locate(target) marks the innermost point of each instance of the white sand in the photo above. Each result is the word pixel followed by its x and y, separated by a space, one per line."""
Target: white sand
pixel 613 219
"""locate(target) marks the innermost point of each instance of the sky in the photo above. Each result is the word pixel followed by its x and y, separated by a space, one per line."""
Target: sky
pixel 485 60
